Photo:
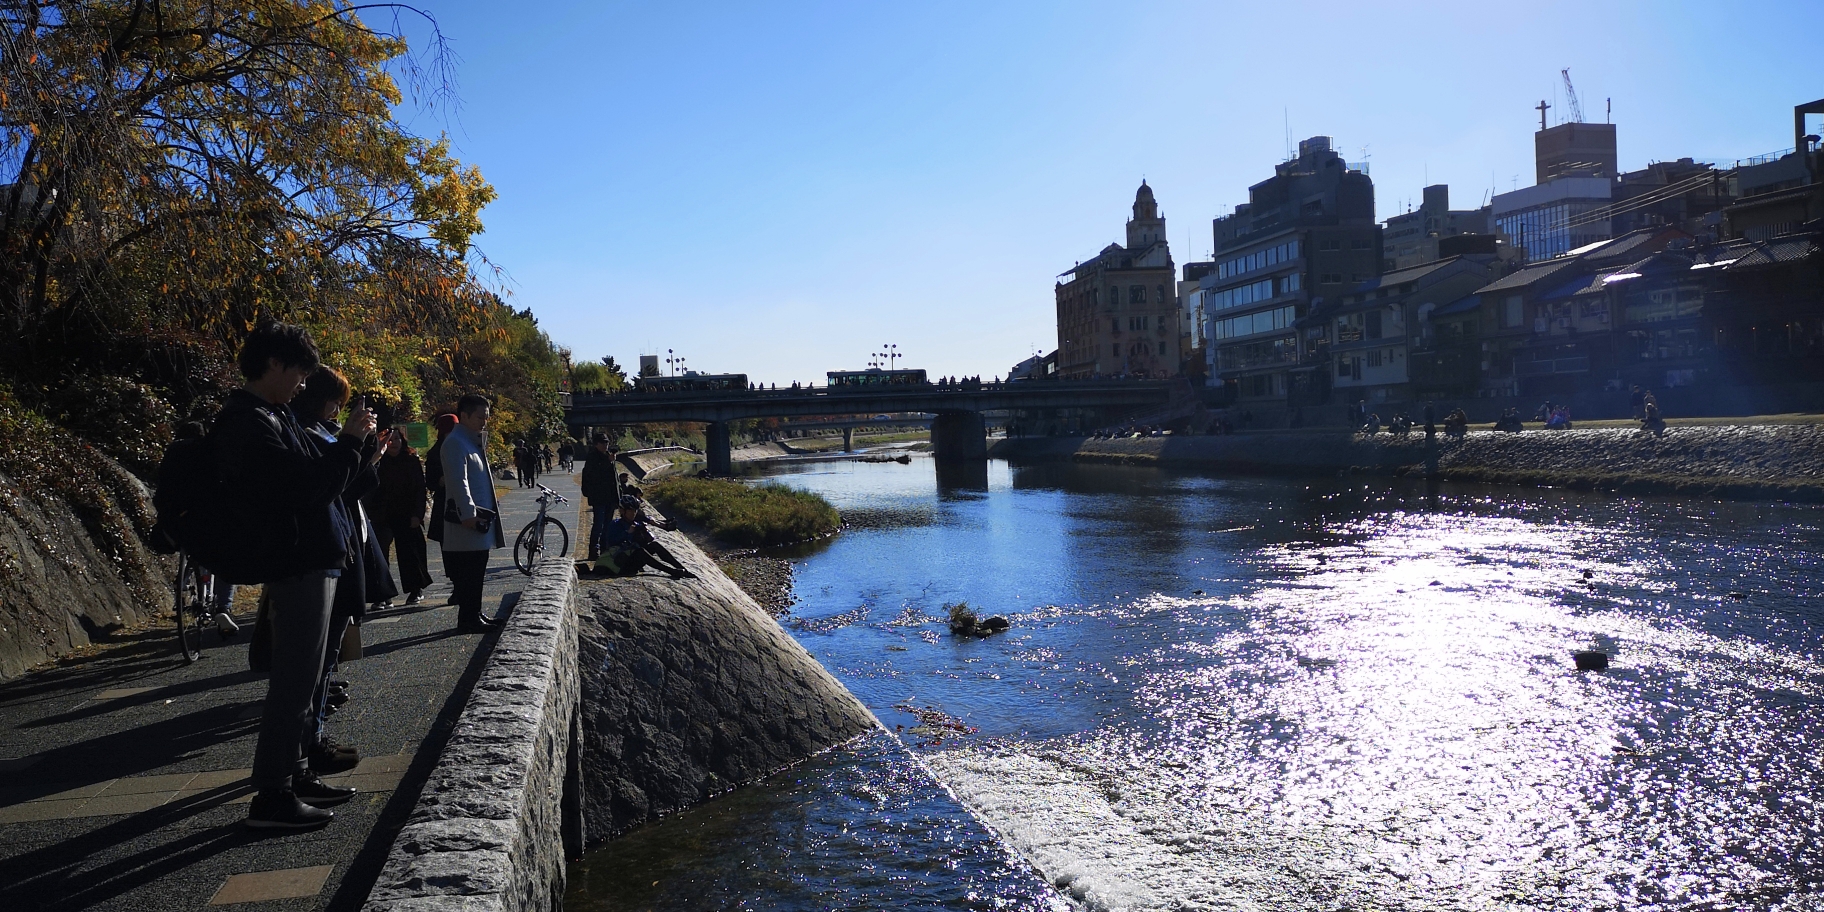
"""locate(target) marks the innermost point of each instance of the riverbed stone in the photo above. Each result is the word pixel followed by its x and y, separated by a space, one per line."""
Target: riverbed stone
pixel 691 690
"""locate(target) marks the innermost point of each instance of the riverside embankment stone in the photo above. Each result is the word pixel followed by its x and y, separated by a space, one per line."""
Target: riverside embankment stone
pixel 1777 461
pixel 605 704
pixel 693 690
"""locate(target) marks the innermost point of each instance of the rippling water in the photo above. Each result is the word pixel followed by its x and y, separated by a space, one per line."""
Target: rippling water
pixel 1267 694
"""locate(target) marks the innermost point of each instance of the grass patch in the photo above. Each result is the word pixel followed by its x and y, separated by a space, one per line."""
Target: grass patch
pixel 747 515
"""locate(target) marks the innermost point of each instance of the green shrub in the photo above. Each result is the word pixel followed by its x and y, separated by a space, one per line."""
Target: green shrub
pixel 747 515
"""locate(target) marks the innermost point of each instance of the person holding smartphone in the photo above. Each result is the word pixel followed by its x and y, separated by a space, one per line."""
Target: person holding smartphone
pixel 471 526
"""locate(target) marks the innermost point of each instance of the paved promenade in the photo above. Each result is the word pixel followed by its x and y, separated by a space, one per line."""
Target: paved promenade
pixel 123 773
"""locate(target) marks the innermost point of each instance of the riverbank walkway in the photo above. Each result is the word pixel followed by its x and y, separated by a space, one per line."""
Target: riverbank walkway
pixel 123 771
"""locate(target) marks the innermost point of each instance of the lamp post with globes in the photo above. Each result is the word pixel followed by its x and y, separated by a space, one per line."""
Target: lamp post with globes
pixel 891 353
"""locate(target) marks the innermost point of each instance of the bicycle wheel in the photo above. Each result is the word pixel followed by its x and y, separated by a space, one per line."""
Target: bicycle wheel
pixel 538 538
pixel 189 615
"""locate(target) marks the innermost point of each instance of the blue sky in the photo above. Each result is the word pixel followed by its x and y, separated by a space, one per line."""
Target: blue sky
pixel 782 188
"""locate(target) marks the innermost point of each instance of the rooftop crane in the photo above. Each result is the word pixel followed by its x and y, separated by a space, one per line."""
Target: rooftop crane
pixel 1570 96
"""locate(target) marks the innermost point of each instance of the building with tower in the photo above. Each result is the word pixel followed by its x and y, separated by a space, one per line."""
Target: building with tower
pixel 1118 312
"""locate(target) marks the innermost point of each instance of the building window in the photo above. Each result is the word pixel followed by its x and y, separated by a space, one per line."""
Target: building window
pixel 1374 324
pixel 1331 244
pixel 1136 294
pixel 1158 294
pixel 1511 312
pixel 1360 244
pixel 1137 324
pixel 1374 358
pixel 1330 278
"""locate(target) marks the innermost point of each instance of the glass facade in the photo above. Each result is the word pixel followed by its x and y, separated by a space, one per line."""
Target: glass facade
pixel 1250 324
pixel 1251 293
pixel 1259 259
pixel 1543 232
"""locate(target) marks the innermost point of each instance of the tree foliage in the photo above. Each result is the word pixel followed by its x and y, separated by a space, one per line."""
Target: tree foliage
pixel 177 170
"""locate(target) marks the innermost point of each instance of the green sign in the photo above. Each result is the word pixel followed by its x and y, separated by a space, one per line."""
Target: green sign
pixel 417 434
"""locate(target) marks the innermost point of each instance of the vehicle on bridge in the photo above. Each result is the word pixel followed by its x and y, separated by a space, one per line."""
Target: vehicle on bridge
pixel 873 377
pixel 692 383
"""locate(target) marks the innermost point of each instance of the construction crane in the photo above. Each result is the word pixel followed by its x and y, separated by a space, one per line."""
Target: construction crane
pixel 1570 96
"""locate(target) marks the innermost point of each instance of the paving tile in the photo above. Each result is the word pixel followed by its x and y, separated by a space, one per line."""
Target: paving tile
pixel 146 785
pixel 391 620
pixel 383 763
pixel 81 791
pixel 264 886
pixel 212 779
pixel 111 805
pixel 40 810
pixel 17 764
pixel 119 692
pixel 370 782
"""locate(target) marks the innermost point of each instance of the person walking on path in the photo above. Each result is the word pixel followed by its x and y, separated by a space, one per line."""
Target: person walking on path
pixel 288 486
pixel 601 488
pixel 402 513
pixel 471 522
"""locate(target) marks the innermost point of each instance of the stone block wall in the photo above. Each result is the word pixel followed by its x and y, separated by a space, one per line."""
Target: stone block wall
pixel 488 830
pixel 692 690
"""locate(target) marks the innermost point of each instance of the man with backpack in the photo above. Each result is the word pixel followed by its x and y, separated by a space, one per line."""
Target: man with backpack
pixel 282 528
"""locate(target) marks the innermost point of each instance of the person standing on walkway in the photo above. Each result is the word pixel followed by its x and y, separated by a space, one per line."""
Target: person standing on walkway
pixel 471 522
pixel 289 487
pixel 601 488
pixel 402 512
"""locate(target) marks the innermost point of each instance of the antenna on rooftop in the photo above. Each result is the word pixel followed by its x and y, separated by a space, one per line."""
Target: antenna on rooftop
pixel 1570 96
pixel 1541 108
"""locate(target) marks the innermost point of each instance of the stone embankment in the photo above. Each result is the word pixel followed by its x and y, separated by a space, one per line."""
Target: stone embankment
pixel 73 566
pixel 692 690
pixel 1753 461
pixel 605 704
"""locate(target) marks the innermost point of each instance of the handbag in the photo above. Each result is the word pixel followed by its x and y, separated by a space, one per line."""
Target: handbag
pixel 351 642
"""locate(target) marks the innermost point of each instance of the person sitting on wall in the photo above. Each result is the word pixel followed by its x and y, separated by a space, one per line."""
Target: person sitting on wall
pixel 629 545
pixel 1509 422
pixel 1456 424
pixel 1650 421
pixel 1559 419
pixel 1372 426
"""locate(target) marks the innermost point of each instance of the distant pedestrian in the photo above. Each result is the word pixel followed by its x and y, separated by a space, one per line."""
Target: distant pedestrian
pixel 403 513
pixel 471 521
pixel 271 467
pixel 1637 401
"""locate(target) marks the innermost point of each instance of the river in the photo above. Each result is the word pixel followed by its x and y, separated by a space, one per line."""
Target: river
pixel 1276 694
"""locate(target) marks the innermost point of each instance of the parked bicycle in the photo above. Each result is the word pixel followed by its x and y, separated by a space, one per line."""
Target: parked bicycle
pixel 195 607
pixel 543 532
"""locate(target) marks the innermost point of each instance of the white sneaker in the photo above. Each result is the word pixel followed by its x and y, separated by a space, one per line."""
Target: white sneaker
pixel 225 625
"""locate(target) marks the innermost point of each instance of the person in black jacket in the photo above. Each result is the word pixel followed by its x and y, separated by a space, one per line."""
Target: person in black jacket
pixel 600 487
pixel 287 487
pixel 402 512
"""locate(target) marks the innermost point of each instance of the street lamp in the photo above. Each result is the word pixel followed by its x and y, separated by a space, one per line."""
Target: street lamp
pixel 892 355
pixel 673 362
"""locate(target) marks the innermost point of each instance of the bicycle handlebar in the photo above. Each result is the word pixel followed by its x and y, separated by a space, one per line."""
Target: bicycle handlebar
pixel 547 492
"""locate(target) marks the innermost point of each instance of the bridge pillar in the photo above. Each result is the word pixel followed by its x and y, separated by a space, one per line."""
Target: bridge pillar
pixel 716 448
pixel 959 437
pixel 848 440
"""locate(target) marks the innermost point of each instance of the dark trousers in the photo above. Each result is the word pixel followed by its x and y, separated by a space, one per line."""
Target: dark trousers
pixel 298 612
pixel 600 515
pixel 412 561
pixel 466 569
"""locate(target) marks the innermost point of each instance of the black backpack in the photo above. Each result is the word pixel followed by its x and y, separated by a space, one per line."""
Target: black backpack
pixel 186 482
pixel 196 514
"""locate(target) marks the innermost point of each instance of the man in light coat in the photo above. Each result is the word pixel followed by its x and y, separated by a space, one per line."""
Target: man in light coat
pixel 471 516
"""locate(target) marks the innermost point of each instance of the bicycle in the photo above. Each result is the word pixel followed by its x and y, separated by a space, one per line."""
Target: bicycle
pixel 530 546
pixel 195 605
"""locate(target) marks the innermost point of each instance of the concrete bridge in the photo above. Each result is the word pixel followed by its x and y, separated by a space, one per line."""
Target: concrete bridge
pixel 958 432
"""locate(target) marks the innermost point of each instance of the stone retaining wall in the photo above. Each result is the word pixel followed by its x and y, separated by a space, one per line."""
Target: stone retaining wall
pixel 1784 461
pixel 604 705
pixel 692 691
pixel 488 830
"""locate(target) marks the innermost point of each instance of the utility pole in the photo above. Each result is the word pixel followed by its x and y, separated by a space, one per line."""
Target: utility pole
pixel 1541 109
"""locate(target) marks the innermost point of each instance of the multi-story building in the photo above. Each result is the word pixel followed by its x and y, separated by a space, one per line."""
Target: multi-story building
pixel 1118 313
pixel 1371 333
pixel 1413 238
pixel 1568 206
pixel 1306 233
pixel 1190 315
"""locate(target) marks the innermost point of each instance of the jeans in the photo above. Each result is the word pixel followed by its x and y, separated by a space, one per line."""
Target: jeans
pixel 601 514
pixel 298 611
pixel 466 570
